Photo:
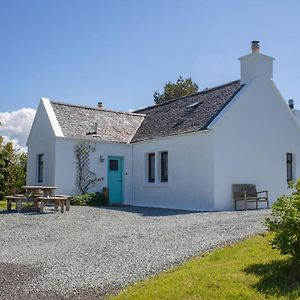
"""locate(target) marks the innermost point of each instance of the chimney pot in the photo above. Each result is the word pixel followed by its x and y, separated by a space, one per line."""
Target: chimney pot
pixel 291 103
pixel 100 104
pixel 255 46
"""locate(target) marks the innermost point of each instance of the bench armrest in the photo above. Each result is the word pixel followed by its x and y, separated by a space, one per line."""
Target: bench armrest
pixel 266 192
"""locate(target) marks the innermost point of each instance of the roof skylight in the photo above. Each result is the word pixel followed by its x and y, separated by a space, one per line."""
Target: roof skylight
pixel 193 105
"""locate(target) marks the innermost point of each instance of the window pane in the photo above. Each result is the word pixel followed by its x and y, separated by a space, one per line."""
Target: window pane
pixel 164 167
pixel 151 167
pixel 113 165
pixel 40 167
pixel 289 166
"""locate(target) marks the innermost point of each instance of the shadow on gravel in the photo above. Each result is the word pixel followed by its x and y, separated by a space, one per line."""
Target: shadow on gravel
pixel 31 211
pixel 148 211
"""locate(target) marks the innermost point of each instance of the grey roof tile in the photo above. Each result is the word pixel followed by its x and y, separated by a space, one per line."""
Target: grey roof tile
pixel 182 115
pixel 186 114
pixel 76 121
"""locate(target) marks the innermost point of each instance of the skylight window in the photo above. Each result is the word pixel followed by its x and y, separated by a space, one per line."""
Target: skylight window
pixel 193 105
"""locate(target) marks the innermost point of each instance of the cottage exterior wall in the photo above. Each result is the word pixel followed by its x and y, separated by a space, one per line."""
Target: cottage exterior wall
pixel 65 165
pixel 252 136
pixel 41 141
pixel 190 167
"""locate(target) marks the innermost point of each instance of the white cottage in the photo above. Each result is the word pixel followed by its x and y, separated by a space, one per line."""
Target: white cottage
pixel 185 153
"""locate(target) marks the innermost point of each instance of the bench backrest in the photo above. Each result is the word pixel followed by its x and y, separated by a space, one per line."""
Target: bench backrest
pixel 239 189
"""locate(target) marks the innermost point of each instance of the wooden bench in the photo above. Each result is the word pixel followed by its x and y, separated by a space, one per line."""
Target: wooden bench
pixel 18 199
pixel 248 193
pixel 60 200
pixel 57 201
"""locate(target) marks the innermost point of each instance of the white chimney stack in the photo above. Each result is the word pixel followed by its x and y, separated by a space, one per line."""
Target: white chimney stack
pixel 256 65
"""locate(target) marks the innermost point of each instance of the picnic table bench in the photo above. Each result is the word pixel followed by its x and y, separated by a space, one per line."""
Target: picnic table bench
pixel 57 201
pixel 40 196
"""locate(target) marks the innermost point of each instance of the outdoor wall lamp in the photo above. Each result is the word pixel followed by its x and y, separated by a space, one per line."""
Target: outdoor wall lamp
pixel 101 158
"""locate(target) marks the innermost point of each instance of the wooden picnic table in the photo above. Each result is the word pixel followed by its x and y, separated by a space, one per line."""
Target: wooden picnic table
pixel 32 190
pixel 40 195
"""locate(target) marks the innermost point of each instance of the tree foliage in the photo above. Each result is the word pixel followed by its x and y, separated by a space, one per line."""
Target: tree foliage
pixel 12 169
pixel 182 87
pixel 285 224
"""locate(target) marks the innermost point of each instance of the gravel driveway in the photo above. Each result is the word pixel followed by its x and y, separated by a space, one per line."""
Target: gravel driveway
pixel 89 251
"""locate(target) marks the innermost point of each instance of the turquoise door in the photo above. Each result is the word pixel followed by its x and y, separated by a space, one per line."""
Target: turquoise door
pixel 115 179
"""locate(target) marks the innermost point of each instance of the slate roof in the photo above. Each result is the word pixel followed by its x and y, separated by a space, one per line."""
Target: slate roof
pixel 186 114
pixel 76 121
pixel 182 115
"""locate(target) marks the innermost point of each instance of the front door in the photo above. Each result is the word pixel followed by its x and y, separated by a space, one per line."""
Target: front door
pixel 115 179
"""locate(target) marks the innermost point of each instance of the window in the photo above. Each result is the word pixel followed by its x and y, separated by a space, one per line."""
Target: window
pixel 40 167
pixel 151 167
pixel 289 166
pixel 113 165
pixel 164 166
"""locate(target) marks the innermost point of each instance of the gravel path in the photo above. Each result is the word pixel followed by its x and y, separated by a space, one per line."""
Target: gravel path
pixel 89 251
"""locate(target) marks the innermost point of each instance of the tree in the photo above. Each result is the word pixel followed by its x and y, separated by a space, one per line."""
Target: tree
pixel 182 87
pixel 12 169
pixel 285 224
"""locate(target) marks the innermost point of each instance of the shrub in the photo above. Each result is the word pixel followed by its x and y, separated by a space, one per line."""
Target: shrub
pixel 89 199
pixel 285 224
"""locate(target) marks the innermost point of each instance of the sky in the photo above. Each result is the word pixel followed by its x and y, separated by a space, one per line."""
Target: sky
pixel 120 52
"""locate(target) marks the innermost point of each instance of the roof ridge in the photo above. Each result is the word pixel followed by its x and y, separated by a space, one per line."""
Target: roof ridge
pixel 96 108
pixel 194 94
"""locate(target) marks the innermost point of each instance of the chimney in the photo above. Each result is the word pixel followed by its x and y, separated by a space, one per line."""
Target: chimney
pixel 96 128
pixel 291 103
pixel 100 105
pixel 255 46
pixel 256 65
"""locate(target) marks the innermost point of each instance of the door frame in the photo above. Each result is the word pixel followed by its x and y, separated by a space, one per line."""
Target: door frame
pixel 122 174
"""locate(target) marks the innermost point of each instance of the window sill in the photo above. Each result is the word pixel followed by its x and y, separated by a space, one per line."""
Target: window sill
pixel 156 185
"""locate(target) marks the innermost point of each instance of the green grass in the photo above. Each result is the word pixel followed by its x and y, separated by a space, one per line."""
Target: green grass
pixel 250 270
pixel 2 205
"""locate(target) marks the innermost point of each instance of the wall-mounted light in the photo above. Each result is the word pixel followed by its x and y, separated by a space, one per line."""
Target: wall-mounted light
pixel 101 158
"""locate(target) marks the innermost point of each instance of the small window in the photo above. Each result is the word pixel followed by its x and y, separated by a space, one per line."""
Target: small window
pixel 40 167
pixel 151 167
pixel 289 166
pixel 113 165
pixel 164 166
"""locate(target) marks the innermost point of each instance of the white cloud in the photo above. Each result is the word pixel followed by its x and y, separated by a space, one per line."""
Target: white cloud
pixel 15 126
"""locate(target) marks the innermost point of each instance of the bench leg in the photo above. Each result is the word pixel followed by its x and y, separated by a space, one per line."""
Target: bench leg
pixel 8 204
pixel 62 206
pixel 42 206
pixel 245 202
pixel 19 205
pixel 68 205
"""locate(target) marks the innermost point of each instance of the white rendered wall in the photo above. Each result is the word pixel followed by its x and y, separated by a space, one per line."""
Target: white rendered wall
pixel 252 137
pixel 65 165
pixel 255 65
pixel 41 141
pixel 296 113
pixel 190 168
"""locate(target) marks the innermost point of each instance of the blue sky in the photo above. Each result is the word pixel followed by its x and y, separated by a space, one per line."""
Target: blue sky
pixel 120 52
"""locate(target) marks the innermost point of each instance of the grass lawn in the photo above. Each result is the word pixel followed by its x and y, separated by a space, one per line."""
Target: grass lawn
pixel 250 269
pixel 2 205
